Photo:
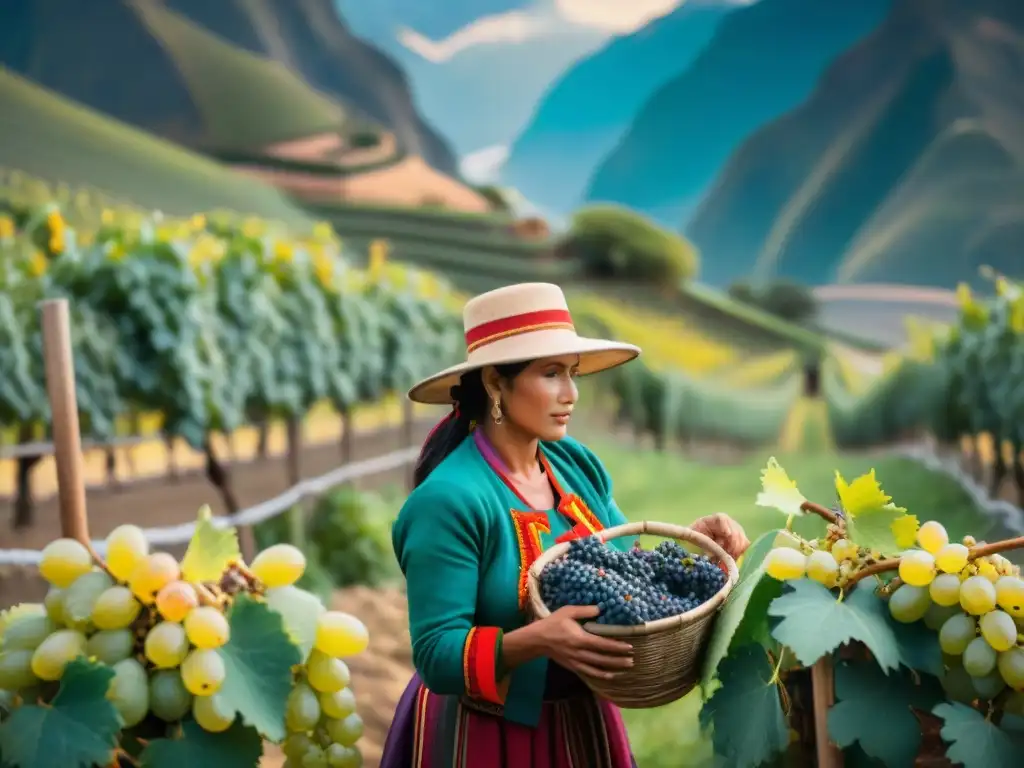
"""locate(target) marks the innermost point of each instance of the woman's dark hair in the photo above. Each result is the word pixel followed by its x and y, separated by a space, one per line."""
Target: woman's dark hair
pixel 471 405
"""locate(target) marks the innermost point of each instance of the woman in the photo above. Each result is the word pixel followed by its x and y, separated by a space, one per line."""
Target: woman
pixel 498 481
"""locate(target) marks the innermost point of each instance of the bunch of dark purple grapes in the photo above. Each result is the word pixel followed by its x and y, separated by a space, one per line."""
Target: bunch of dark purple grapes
pixel 630 587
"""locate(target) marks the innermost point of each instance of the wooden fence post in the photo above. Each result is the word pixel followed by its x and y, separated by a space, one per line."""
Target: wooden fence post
pixel 67 440
pixel 823 693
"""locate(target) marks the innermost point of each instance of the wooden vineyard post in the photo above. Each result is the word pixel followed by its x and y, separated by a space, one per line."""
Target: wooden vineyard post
pixel 823 693
pixel 67 441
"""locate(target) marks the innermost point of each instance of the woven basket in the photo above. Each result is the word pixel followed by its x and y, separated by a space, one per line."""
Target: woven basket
pixel 667 652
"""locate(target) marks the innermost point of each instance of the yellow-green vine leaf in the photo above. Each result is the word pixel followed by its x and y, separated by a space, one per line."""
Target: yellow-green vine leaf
pixel 210 551
pixel 778 491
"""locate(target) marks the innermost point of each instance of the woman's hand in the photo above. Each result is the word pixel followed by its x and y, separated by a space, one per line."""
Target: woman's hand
pixel 564 641
pixel 725 532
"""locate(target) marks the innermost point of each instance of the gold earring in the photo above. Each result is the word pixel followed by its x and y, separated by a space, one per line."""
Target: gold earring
pixel 496 411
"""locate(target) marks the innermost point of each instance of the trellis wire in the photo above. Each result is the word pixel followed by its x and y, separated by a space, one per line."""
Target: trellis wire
pixel 315 486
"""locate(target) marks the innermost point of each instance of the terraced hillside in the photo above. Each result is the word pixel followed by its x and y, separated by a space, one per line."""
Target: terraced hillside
pixel 50 137
pixel 477 252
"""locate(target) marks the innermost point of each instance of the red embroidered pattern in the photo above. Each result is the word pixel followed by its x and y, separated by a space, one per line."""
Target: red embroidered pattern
pixel 529 526
pixel 480 665
pixel 575 508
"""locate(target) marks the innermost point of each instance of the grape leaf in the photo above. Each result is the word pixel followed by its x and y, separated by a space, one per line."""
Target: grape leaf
pixel 976 742
pixel 210 551
pixel 79 728
pixel 749 726
pixel 237 747
pixel 905 530
pixel 863 496
pixel 258 661
pixel 876 530
pixel 918 647
pixel 778 491
pixel 300 611
pixel 871 517
pixel 814 622
pixel 742 614
pixel 874 709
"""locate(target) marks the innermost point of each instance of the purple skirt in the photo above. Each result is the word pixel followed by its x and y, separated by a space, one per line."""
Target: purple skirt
pixel 576 730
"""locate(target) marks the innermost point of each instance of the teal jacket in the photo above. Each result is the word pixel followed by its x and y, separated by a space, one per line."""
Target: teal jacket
pixel 465 541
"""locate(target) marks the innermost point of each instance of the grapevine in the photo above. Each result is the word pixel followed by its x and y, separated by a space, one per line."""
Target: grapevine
pixel 924 631
pixel 211 322
pixel 138 659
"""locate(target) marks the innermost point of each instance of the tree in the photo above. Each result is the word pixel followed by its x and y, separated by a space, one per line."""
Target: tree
pixel 783 298
pixel 615 242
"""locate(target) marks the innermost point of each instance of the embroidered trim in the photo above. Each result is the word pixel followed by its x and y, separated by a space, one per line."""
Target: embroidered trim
pixel 480 664
pixel 529 526
pixel 575 508
pixel 467 656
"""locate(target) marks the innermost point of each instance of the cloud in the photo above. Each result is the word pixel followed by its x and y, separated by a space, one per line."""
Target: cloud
pixel 617 17
pixel 484 165
pixel 545 18
pixel 511 27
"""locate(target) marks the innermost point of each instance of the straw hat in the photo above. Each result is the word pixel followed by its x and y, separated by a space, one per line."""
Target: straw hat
pixel 517 323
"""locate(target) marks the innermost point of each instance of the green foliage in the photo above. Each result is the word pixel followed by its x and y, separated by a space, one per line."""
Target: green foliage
pixel 975 741
pixel 874 531
pixel 673 407
pixel 983 360
pixel 348 536
pixel 258 659
pixel 891 678
pixel 212 324
pixel 896 406
pixel 783 298
pixel 874 709
pixel 750 726
pixel 237 747
pixel 743 619
pixel 970 387
pixel 814 623
pixel 617 243
pixel 78 729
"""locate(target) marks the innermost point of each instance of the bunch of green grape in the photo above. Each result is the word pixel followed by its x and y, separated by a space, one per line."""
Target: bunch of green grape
pixel 162 637
pixel 321 718
pixel 977 607
pixel 830 561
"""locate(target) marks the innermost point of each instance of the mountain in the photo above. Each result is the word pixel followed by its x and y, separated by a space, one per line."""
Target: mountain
pixel 52 138
pixel 763 60
pixel 310 37
pixel 905 166
pixel 476 75
pixel 589 108
pixel 227 75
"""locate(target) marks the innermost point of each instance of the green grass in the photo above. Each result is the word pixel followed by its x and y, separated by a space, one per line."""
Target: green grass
pixel 246 101
pixel 55 139
pixel 670 488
